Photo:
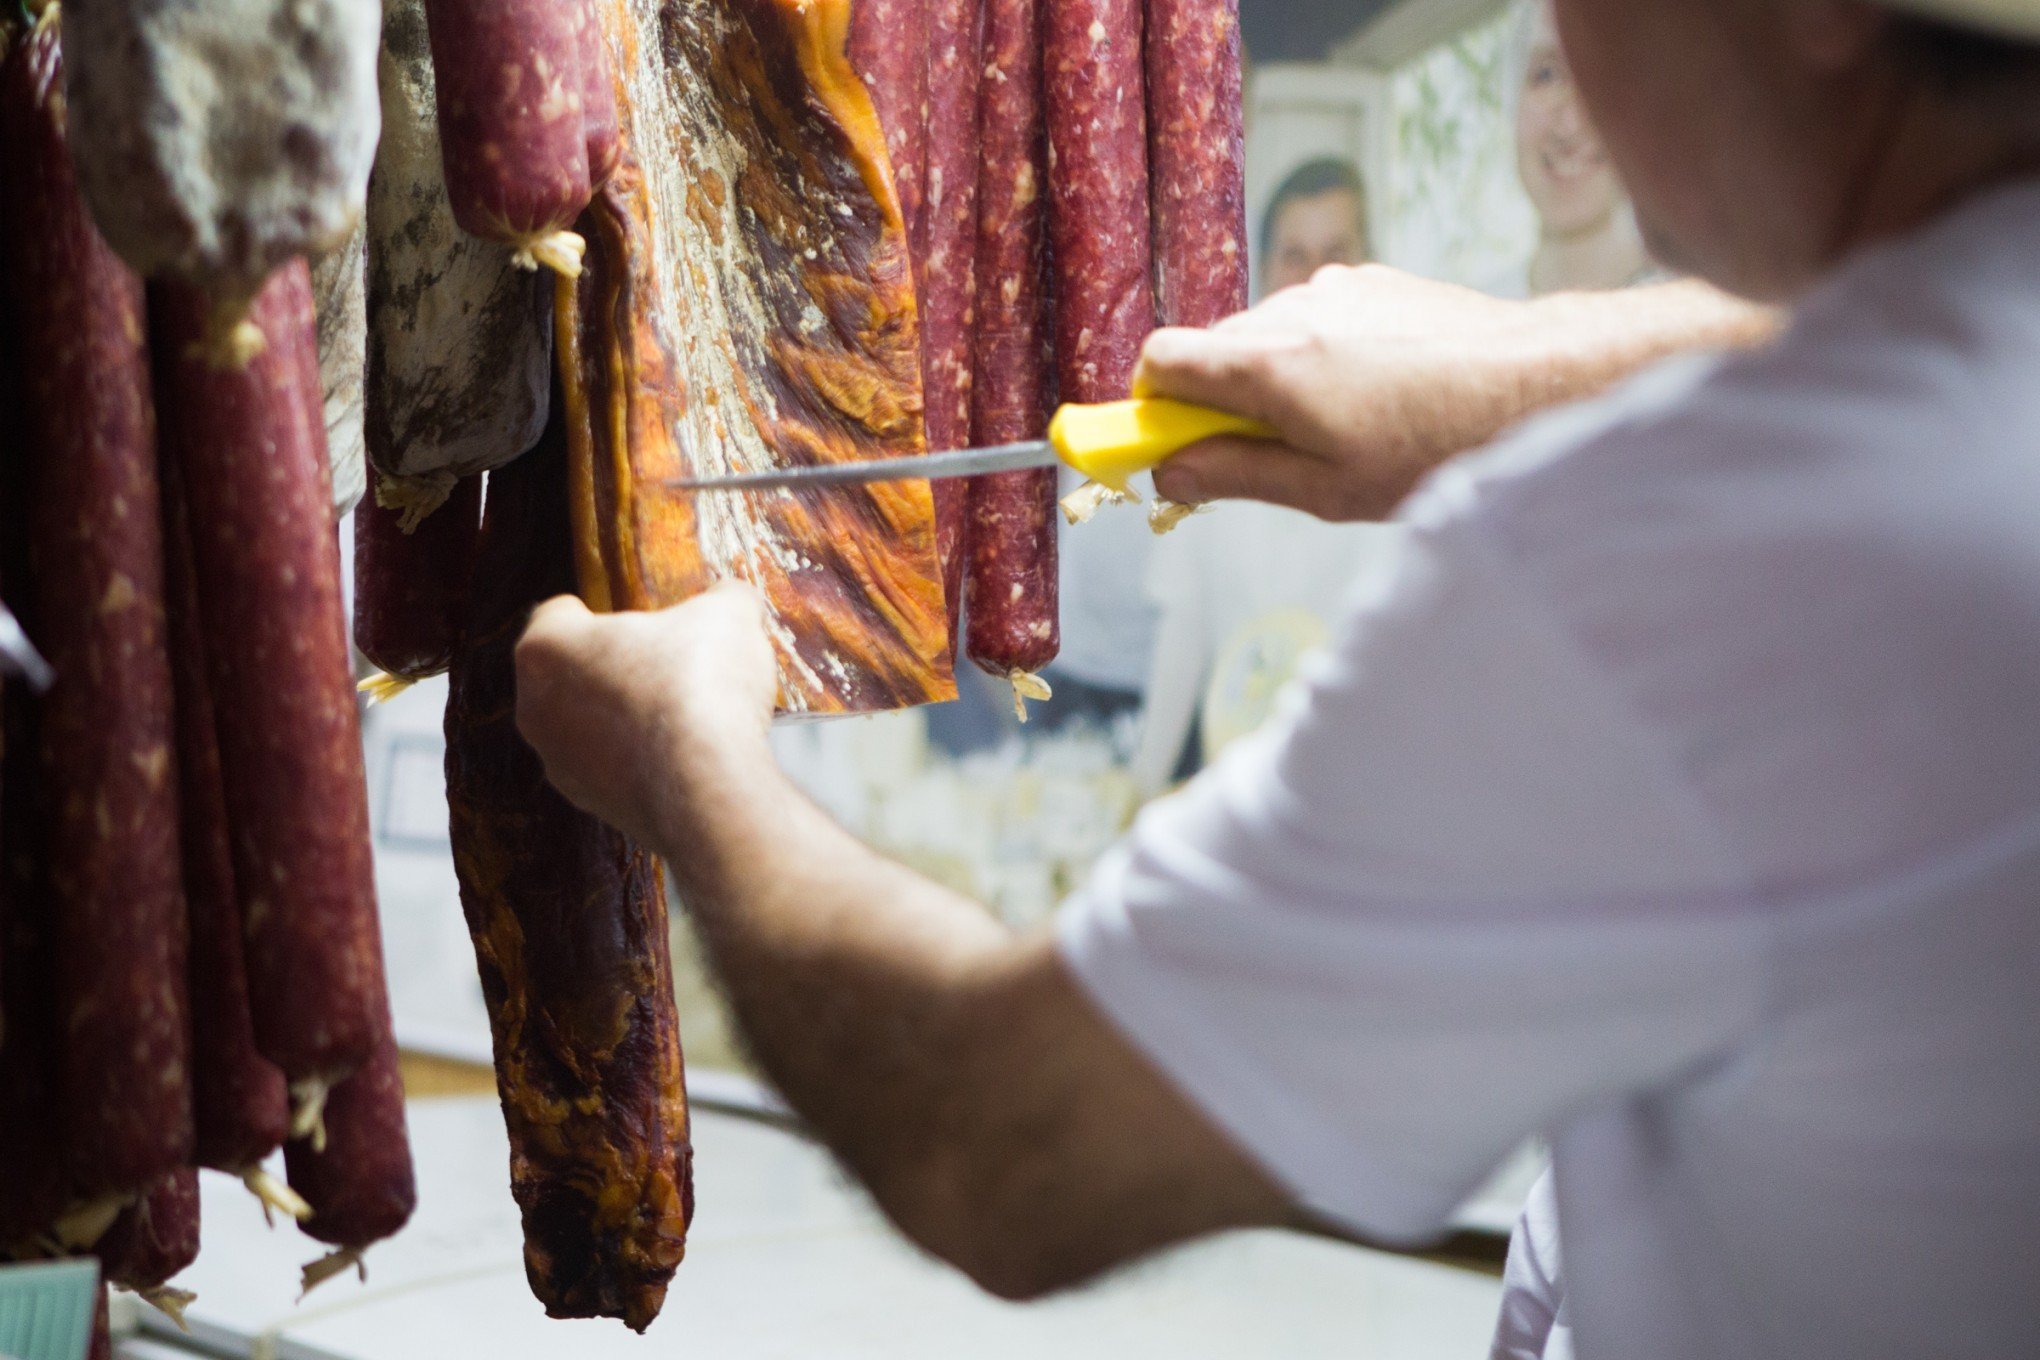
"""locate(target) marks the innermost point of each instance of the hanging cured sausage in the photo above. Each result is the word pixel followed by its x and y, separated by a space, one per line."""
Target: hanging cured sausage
pixel 218 180
pixel 1197 160
pixel 250 444
pixel 109 774
pixel 512 79
pixel 1010 590
pixel 1098 193
pixel 354 1171
pixel 241 1109
pixel 411 582
pixel 947 277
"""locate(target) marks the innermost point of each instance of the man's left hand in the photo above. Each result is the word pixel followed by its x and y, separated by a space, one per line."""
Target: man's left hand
pixel 621 707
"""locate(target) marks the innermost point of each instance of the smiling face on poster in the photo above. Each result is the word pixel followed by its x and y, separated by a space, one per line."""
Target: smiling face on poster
pixel 1587 236
pixel 1559 153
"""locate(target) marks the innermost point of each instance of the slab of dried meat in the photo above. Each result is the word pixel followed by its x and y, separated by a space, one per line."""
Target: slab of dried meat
pixel 747 302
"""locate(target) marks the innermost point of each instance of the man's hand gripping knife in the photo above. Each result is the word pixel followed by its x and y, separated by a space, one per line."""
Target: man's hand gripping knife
pixel 1375 377
pixel 955 1068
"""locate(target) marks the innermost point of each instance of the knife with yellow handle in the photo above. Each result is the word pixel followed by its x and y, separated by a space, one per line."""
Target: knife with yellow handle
pixel 1107 443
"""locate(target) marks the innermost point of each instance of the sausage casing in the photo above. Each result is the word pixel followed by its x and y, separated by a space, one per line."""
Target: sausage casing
pixel 239 1102
pixel 1010 588
pixel 250 445
pixel 109 774
pixel 155 1237
pixel 359 1183
pixel 1198 161
pixel 513 133
pixel 410 587
pixel 1098 216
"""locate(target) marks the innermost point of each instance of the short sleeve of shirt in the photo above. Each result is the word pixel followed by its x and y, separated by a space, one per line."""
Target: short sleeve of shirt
pixel 1453 896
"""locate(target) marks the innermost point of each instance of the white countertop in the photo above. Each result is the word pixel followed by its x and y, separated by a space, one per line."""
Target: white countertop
pixel 787 1260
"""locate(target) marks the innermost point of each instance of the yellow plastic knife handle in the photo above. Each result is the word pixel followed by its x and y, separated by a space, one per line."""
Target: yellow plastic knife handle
pixel 1111 442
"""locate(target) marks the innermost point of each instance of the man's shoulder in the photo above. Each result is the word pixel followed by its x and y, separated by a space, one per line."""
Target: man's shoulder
pixel 1919 357
pixel 1907 421
pixel 1812 572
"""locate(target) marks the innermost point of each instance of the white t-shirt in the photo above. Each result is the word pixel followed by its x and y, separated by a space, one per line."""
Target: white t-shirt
pixel 1677 797
pixel 1534 1323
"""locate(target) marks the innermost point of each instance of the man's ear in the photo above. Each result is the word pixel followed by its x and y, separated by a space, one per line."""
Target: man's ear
pixel 1833 35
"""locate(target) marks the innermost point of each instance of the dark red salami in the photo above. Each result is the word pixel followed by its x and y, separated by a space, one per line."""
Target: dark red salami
pixel 888 48
pixel 250 444
pixel 155 1237
pixel 1010 590
pixel 358 1180
pixel 513 134
pixel 32 1190
pixel 1197 160
pixel 109 776
pixel 1098 217
pixel 238 1099
pixel 410 587
pixel 948 271
pixel 598 98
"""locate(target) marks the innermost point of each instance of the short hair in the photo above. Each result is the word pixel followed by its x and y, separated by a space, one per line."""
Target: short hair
pixel 1961 60
pixel 1326 174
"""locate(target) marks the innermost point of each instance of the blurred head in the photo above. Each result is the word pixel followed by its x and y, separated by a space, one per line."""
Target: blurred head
pixel 1317 217
pixel 1564 168
pixel 1764 140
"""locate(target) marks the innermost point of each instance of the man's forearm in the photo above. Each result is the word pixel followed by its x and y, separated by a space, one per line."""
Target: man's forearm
pixel 958 1071
pixel 1584 343
pixel 824 947
pixel 864 992
pixel 1561 348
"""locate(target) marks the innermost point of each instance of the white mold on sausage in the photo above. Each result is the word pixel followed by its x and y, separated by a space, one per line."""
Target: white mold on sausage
pixel 216 139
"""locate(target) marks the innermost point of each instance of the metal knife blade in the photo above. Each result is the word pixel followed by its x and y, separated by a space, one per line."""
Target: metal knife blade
pixel 1034 453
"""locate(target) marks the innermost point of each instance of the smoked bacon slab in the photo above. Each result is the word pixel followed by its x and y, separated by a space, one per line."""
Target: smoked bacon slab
pixel 747 302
